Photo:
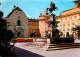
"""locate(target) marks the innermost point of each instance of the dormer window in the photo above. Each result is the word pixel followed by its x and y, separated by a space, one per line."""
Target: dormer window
pixel 18 17
pixel 18 22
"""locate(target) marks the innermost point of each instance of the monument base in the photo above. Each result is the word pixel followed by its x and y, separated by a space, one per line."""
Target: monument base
pixel 62 40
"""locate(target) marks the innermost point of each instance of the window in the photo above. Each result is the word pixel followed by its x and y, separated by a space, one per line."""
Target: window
pixel 31 23
pixel 63 20
pixel 72 23
pixel 34 31
pixel 68 29
pixel 31 26
pixel 18 17
pixel 63 29
pixel 18 22
pixel 31 30
pixel 75 16
pixel 63 24
pixel 68 24
pixel 68 19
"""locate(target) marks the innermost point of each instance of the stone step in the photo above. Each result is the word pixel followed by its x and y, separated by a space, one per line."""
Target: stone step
pixel 76 46
pixel 50 49
pixel 58 46
pixel 62 46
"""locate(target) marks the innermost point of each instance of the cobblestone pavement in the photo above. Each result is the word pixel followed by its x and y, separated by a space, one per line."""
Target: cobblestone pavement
pixel 22 50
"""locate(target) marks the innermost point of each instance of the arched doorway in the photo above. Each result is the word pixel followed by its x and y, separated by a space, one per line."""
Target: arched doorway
pixel 18 34
pixel 32 35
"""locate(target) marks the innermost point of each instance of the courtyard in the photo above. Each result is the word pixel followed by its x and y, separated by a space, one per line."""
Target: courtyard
pixel 22 50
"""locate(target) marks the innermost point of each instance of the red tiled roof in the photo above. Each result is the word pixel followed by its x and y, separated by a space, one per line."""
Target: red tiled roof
pixel 33 20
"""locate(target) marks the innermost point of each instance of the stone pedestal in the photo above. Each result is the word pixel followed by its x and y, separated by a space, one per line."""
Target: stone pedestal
pixel 77 41
pixel 48 41
pixel 40 41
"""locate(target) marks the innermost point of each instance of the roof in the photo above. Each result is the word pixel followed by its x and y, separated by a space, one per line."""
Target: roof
pixel 70 10
pixel 33 20
pixel 44 13
pixel 17 8
pixel 67 10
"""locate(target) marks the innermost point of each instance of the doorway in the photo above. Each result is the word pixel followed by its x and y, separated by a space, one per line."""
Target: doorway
pixel 18 34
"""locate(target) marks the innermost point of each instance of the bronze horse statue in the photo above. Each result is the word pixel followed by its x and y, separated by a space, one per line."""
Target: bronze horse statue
pixel 52 7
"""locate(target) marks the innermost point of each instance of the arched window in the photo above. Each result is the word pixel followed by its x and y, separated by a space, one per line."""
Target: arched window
pixel 18 22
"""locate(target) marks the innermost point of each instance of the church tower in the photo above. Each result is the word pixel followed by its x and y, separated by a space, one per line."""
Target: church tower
pixel 18 22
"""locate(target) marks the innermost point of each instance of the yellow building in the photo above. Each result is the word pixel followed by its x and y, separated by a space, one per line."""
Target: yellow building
pixel 68 20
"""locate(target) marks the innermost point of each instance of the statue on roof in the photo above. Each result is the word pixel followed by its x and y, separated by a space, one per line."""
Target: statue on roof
pixel 77 1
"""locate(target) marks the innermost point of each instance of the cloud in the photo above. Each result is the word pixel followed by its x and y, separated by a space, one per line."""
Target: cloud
pixel 28 15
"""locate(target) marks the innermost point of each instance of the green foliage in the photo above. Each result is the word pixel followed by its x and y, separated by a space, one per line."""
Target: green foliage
pixel 61 33
pixel 13 40
pixel 67 34
pixel 5 35
pixel 55 33
pixel 39 35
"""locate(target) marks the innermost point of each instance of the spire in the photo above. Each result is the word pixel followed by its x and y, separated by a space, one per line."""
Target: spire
pixel 14 6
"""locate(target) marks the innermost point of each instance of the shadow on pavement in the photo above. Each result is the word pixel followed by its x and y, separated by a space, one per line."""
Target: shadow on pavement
pixel 24 53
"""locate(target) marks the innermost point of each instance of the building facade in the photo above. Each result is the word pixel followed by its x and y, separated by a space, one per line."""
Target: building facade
pixel 18 22
pixel 43 25
pixel 33 27
pixel 69 19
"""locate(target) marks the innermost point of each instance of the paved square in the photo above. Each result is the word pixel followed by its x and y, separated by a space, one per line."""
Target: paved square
pixel 21 50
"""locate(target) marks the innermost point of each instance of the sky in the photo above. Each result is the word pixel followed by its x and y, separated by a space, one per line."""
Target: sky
pixel 33 8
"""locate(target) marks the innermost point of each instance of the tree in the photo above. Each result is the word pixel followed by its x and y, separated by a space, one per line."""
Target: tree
pixel 67 34
pixel 5 37
pixel 61 33
pixel 77 29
